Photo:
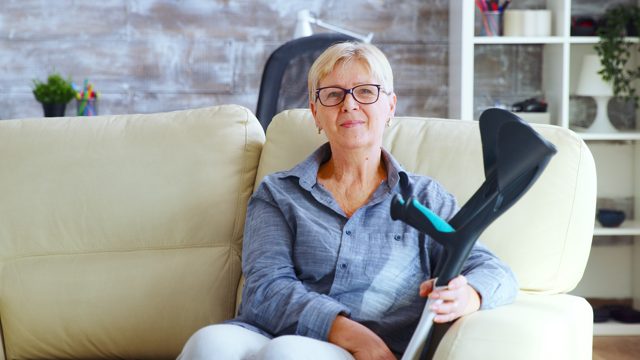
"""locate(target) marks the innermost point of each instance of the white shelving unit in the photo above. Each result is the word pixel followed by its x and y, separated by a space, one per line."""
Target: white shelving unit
pixel 628 228
pixel 562 57
pixel 612 328
pixel 619 136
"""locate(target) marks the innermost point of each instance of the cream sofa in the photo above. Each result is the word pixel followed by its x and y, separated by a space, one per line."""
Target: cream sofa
pixel 121 235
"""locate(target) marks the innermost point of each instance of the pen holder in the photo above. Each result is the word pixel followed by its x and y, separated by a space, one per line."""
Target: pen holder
pixel 491 23
pixel 87 107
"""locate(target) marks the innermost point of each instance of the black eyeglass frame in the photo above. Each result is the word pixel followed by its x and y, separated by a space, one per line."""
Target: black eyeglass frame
pixel 350 91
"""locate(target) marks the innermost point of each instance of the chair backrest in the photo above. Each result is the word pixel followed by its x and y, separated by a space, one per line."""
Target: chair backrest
pixel 545 237
pixel 300 53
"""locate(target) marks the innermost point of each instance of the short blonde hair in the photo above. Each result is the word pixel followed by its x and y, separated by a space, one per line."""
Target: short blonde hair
pixel 341 53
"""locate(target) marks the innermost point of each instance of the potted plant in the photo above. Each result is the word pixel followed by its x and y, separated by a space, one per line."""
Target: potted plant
pixel 614 51
pixel 54 94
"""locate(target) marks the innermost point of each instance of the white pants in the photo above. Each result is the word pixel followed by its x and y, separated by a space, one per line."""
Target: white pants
pixel 232 342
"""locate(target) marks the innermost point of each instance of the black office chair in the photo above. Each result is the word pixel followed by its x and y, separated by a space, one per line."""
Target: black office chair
pixel 290 64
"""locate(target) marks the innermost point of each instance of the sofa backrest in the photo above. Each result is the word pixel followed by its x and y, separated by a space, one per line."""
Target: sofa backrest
pixel 545 237
pixel 121 235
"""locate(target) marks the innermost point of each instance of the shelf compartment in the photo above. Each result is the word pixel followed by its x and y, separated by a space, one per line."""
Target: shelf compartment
pixel 595 39
pixel 614 328
pixel 517 40
pixel 627 228
pixel 617 136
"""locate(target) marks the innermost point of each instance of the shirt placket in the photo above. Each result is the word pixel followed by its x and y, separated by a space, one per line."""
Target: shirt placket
pixel 349 280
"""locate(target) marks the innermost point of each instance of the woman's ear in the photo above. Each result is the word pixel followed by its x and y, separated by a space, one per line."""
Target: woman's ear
pixel 312 107
pixel 392 104
pixel 314 111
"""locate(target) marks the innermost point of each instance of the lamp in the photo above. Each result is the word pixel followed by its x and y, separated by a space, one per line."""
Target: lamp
pixel 305 19
pixel 591 84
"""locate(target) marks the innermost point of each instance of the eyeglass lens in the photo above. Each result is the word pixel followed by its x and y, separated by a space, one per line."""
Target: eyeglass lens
pixel 364 94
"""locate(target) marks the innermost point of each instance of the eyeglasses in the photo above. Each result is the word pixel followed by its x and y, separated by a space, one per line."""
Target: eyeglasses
pixel 334 95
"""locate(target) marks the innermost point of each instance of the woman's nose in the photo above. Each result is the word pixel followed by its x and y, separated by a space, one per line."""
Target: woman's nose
pixel 349 102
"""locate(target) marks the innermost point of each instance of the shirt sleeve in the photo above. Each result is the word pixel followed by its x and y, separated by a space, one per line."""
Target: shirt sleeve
pixel 490 277
pixel 273 298
pixel 494 281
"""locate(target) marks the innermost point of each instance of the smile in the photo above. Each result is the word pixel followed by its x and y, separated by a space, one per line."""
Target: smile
pixel 352 123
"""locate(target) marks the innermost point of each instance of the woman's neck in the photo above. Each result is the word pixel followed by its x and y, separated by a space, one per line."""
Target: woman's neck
pixel 357 166
pixel 352 177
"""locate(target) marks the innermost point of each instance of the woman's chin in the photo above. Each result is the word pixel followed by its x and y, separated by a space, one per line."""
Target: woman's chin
pixel 355 143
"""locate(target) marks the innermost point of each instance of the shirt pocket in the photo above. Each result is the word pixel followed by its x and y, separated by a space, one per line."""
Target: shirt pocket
pixel 315 254
pixel 393 270
pixel 393 256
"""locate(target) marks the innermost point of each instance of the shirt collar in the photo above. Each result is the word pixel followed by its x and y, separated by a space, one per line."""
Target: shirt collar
pixel 307 170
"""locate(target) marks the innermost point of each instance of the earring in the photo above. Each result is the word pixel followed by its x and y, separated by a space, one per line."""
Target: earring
pixel 319 130
pixel 388 122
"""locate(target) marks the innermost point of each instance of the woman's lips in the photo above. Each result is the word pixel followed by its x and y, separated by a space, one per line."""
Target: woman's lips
pixel 351 123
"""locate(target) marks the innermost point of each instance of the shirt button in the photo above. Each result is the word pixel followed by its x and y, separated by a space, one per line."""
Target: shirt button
pixel 348 232
pixel 343 266
pixel 397 237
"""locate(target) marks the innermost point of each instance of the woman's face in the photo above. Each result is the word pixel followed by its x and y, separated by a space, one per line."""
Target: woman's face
pixel 352 125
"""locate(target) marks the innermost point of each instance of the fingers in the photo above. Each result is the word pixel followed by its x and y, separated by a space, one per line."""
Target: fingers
pixel 445 307
pixel 445 318
pixel 446 311
pixel 458 282
pixel 446 294
pixel 452 300
pixel 452 291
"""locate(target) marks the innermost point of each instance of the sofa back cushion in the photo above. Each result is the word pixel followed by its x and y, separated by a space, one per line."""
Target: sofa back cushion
pixel 121 235
pixel 545 237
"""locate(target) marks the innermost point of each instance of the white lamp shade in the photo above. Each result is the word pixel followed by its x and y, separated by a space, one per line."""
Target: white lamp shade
pixel 303 24
pixel 305 19
pixel 590 82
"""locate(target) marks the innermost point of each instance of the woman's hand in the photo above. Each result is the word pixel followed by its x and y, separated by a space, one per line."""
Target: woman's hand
pixel 458 299
pixel 356 338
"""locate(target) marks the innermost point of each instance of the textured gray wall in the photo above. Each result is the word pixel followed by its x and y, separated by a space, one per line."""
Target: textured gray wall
pixel 160 55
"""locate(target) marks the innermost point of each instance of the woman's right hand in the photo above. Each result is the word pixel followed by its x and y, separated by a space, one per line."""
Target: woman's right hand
pixel 356 338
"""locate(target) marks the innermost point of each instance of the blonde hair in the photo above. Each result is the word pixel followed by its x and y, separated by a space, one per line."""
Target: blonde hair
pixel 342 53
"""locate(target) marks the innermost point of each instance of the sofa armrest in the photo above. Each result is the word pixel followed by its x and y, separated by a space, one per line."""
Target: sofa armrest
pixel 555 326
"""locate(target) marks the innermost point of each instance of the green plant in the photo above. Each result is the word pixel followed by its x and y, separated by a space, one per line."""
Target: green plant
pixel 614 51
pixel 55 91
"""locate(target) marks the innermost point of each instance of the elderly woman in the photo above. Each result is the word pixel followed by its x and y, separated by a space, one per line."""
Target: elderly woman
pixel 328 274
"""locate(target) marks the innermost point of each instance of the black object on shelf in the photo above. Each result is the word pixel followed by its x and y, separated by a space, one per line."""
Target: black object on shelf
pixel 610 217
pixel 583 26
pixel 530 105
pixel 601 314
pixel 621 313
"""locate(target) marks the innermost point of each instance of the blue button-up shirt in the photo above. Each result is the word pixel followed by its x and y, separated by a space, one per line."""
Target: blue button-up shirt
pixel 305 261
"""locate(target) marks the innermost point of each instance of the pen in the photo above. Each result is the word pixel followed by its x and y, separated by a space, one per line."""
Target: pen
pixel 504 6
